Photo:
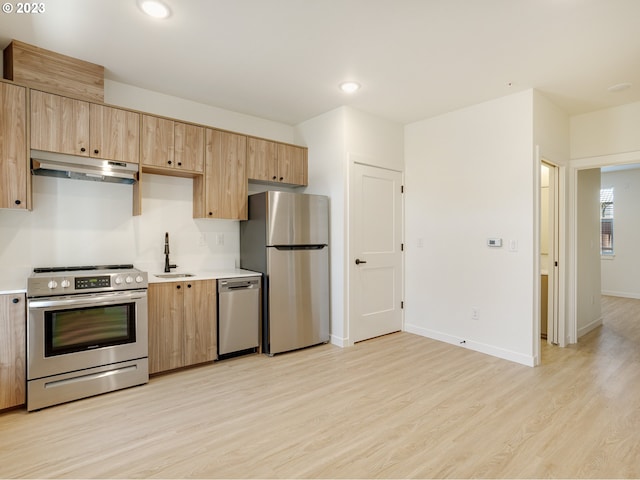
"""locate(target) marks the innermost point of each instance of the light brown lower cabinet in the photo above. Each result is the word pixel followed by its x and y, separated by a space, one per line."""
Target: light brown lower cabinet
pixel 182 324
pixel 12 350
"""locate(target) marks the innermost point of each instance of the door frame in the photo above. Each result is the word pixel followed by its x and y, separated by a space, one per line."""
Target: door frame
pixel 561 253
pixel 553 311
pixel 354 159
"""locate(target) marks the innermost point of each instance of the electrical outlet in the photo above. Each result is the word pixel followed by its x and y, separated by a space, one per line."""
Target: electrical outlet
pixel 475 313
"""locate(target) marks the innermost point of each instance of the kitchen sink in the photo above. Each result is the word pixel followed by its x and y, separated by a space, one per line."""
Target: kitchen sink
pixel 174 275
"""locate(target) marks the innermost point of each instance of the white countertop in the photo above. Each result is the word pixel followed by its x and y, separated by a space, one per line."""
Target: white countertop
pixel 14 280
pixel 12 286
pixel 202 275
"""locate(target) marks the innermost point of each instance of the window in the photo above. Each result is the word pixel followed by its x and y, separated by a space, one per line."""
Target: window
pixel 606 221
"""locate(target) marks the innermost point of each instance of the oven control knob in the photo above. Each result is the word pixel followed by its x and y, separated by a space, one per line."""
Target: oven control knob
pixel 52 284
pixel 118 280
pixel 129 279
pixel 139 279
pixel 65 283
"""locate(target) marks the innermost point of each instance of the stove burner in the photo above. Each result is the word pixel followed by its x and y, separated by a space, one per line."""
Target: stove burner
pixel 76 269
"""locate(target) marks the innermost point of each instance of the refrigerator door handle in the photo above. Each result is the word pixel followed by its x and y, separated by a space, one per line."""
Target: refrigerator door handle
pixel 299 247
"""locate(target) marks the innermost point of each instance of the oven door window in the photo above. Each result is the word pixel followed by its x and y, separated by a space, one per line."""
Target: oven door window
pixel 88 328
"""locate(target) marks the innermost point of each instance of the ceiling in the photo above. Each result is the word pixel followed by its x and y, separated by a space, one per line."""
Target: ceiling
pixel 283 59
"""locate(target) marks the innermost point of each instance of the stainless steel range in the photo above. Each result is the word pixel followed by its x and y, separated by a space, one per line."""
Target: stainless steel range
pixel 86 332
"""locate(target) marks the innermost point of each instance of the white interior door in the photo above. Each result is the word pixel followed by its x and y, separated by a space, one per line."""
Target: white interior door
pixel 376 253
pixel 553 334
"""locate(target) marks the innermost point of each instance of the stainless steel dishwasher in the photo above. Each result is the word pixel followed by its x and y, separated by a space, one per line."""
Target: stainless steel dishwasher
pixel 238 315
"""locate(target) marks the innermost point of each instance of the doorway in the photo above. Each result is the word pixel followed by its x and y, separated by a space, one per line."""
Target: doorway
pixel 549 252
pixel 585 296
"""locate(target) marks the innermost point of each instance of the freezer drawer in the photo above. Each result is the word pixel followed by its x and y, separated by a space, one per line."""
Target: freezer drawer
pixel 238 314
pixel 298 298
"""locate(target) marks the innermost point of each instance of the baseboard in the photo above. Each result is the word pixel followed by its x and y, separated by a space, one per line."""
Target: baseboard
pixel 587 328
pixel 494 351
pixel 338 341
pixel 622 294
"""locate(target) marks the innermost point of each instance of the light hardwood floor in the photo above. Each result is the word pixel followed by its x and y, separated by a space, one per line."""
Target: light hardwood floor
pixel 398 406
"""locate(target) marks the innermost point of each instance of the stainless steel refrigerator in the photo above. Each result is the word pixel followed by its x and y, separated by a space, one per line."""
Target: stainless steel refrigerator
pixel 286 238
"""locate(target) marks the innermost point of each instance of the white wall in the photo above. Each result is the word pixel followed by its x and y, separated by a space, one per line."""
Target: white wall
pixel 606 132
pixel 604 137
pixel 325 137
pixel 76 222
pixel 551 139
pixel 588 251
pixel 335 140
pixel 470 176
pixel 620 273
pixel 136 98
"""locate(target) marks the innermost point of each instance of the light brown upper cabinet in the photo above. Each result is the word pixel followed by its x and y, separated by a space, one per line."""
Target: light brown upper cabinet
pixel 172 145
pixel 66 125
pixel 223 191
pixel 13 147
pixel 274 162
pixel 292 164
pixel 114 134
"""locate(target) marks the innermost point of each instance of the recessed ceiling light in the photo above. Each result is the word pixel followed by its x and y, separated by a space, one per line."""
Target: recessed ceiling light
pixel 349 87
pixel 619 87
pixel 154 8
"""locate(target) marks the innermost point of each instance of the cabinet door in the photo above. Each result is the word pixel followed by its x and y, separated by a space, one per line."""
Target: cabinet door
pixel 12 350
pixel 200 321
pixel 59 124
pixel 262 160
pixel 226 188
pixel 166 323
pixel 189 147
pixel 13 146
pixel 114 134
pixel 292 164
pixel 157 143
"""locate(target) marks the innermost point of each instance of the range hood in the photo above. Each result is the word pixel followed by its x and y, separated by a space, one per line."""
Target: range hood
pixel 82 168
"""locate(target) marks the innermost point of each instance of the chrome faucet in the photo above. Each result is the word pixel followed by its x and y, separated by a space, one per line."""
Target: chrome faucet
pixel 167 264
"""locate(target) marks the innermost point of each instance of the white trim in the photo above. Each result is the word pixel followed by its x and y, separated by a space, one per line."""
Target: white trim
pixel 528 360
pixel 621 294
pixel 587 328
pixel 338 341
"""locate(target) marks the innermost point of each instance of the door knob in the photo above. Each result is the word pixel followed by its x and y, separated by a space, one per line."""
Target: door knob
pixel 358 261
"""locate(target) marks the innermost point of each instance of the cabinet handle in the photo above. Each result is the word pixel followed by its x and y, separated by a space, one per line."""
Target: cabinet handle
pixel 96 151
pixel 188 285
pixel 179 164
pixel 16 300
pixel 210 213
pixel 281 178
pixel 18 202
pixel 274 177
pixel 178 287
pixel 83 149
pixel 169 162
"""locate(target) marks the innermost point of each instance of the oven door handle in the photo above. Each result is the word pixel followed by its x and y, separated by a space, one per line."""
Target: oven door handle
pixel 87 300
